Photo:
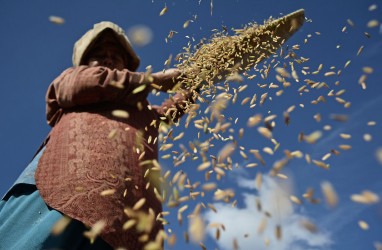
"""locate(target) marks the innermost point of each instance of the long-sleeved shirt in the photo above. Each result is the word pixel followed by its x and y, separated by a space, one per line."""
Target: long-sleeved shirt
pixel 95 163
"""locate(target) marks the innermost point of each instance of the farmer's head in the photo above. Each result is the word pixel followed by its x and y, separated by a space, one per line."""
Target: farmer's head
pixel 105 45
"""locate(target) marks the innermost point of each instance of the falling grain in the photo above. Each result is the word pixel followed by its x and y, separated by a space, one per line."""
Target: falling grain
pixel 171 240
pixel 330 194
pixel 317 117
pixel 56 20
pixel 265 132
pixel 366 197
pixel 196 229
pixel 331 73
pixel 360 50
pixel 139 204
pixel 326 156
pixel 371 123
pixel 165 147
pixel 112 133
pixel 209 186
pixel 217 234
pixel 347 64
pixel 268 150
pixel 345 136
pixel 60 226
pixel 139 89
pixel 367 70
pixel 278 232
pixel 129 224
pixel 226 151
pixel 262 226
pixel 313 137
pixel 372 7
pixel 140 35
pixel 363 225
pixel 378 155
pixel 345 147
pixel 107 192
pixel 367 137
pixel 120 113
pixel 373 23
pixel 350 22
pixel 295 199
pixel 254 120
pixel 95 230
pixel 283 72
pixel 339 117
pixel 186 23
pixel 234 78
pixel 320 164
pixel 258 180
pixel 163 11
pixel 270 118
pixel 308 225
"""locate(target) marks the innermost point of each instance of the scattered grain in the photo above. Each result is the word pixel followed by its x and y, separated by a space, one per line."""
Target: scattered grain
pixel 366 197
pixel 56 20
pixel 329 193
pixel 363 225
pixel 163 11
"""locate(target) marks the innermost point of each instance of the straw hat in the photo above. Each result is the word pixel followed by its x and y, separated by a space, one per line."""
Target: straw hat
pixel 81 47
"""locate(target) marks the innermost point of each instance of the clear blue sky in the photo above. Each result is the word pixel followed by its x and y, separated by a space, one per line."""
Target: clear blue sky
pixel 34 51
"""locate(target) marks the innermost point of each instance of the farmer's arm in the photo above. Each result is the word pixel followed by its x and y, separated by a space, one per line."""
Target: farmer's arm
pixel 85 85
pixel 165 80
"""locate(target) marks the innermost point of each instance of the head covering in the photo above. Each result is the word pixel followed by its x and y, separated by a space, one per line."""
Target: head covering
pixel 81 47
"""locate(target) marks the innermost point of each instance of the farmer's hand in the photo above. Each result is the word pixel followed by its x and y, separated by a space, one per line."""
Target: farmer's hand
pixel 166 80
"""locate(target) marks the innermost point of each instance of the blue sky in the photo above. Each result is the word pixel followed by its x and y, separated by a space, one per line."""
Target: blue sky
pixel 34 51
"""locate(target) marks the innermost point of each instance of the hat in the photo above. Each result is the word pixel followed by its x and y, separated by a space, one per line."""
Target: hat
pixel 81 47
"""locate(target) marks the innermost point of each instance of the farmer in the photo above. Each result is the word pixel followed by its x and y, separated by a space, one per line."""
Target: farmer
pixel 98 159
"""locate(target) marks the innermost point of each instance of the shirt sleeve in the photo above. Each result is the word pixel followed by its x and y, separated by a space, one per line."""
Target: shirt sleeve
pixel 85 85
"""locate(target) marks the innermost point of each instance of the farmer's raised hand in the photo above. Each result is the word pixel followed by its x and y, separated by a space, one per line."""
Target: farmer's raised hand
pixel 166 80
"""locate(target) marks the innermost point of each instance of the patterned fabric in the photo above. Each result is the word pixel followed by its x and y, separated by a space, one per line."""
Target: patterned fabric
pixel 90 150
